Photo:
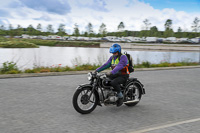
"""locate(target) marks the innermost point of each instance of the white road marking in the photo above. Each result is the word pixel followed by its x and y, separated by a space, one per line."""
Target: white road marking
pixel 166 126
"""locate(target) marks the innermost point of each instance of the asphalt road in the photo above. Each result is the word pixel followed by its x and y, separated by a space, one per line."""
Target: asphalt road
pixel 44 105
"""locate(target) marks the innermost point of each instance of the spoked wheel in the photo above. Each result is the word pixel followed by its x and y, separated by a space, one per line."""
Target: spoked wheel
pixel 84 100
pixel 133 95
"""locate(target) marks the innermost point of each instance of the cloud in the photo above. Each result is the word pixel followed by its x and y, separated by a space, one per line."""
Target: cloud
pixel 97 5
pixel 133 13
pixel 14 4
pixel 109 12
pixel 51 6
pixel 43 17
pixel 4 22
pixel 4 13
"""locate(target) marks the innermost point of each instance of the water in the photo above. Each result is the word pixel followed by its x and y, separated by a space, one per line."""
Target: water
pixel 71 56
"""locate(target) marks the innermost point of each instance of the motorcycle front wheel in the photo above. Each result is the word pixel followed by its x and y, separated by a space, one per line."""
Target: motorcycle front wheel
pixel 84 100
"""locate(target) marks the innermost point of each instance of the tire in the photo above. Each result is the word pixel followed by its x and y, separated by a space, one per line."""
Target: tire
pixel 133 93
pixel 80 101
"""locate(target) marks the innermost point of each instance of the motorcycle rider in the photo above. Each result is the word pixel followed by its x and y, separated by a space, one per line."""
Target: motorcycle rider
pixel 119 74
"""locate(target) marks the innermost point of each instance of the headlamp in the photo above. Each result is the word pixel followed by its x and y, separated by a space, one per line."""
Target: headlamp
pixel 89 76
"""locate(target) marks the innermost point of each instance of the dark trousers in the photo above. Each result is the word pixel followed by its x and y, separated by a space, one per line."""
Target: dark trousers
pixel 117 80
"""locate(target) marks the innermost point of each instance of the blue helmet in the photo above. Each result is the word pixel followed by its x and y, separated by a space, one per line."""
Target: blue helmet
pixel 115 48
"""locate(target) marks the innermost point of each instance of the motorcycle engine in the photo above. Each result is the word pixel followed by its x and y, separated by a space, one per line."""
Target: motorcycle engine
pixel 110 97
pixel 113 98
pixel 106 83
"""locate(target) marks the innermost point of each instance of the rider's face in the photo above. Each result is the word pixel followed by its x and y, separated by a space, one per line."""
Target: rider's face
pixel 116 53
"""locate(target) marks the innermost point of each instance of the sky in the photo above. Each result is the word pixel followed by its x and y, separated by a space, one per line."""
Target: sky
pixel 110 12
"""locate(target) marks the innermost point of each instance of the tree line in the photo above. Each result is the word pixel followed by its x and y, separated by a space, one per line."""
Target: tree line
pixel 147 31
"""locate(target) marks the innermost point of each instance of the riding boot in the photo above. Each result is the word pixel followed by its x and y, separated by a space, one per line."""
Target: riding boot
pixel 120 100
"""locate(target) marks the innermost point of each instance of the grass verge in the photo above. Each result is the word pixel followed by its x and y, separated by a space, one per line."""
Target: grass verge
pixel 18 44
pixel 11 68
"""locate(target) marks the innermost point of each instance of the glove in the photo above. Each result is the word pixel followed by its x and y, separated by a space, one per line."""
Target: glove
pixel 95 72
pixel 108 74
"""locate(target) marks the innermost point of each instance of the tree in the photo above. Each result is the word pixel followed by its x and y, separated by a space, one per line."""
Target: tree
pixel 168 29
pixel 144 33
pixel 2 30
pixel 179 33
pixel 19 26
pixel 19 30
pixel 169 33
pixel 196 26
pixel 90 30
pixel 50 28
pixel 39 27
pixel 146 24
pixel 168 24
pixel 179 29
pixel 121 26
pixel 102 30
pixel 2 27
pixel 30 30
pixel 86 34
pixel 30 26
pixel 154 31
pixel 76 30
pixel 10 27
pixel 61 30
pixel 11 31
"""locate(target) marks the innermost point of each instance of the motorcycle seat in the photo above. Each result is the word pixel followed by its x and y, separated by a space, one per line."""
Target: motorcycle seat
pixel 129 79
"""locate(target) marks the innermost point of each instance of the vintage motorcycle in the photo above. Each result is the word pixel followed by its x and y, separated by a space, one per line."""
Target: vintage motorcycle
pixel 99 91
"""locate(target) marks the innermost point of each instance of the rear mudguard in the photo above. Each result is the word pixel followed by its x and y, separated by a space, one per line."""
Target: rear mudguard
pixel 90 86
pixel 136 82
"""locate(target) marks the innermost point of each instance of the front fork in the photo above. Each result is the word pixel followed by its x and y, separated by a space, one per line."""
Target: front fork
pixel 94 86
pixel 92 91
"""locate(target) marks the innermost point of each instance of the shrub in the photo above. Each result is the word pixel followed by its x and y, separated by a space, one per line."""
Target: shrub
pixel 10 67
pixel 154 65
pixel 179 64
pixel 146 64
pixel 67 68
pixel 44 70
pixel 34 70
pixel 13 72
pixel 164 64
pixel 56 69
pixel 86 67
pixel 29 71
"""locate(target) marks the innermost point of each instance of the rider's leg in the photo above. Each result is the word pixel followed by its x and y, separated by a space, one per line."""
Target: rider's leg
pixel 116 85
pixel 117 81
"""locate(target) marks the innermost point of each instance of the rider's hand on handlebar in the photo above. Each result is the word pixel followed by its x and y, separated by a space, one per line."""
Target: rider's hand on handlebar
pixel 95 72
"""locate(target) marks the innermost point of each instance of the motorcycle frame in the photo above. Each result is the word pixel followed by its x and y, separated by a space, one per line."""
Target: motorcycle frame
pixel 94 85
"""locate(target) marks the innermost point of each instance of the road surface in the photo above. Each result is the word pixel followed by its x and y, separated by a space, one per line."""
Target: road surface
pixel 44 105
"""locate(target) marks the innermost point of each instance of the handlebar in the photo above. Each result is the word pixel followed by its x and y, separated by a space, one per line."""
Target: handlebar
pixel 98 74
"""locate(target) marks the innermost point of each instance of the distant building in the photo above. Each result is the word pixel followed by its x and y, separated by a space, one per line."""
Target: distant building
pixel 171 39
pixel 151 39
pixel 195 40
pixel 25 36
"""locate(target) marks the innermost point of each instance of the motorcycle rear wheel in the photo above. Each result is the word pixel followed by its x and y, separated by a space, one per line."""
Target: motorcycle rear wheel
pixel 133 95
pixel 81 101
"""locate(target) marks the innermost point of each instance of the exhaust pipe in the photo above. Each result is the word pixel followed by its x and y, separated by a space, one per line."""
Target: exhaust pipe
pixel 133 101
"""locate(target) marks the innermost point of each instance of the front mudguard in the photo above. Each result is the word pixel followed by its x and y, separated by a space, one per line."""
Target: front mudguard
pixel 138 83
pixel 80 87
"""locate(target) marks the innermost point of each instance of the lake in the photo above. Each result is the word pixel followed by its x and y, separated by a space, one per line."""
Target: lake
pixel 71 56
